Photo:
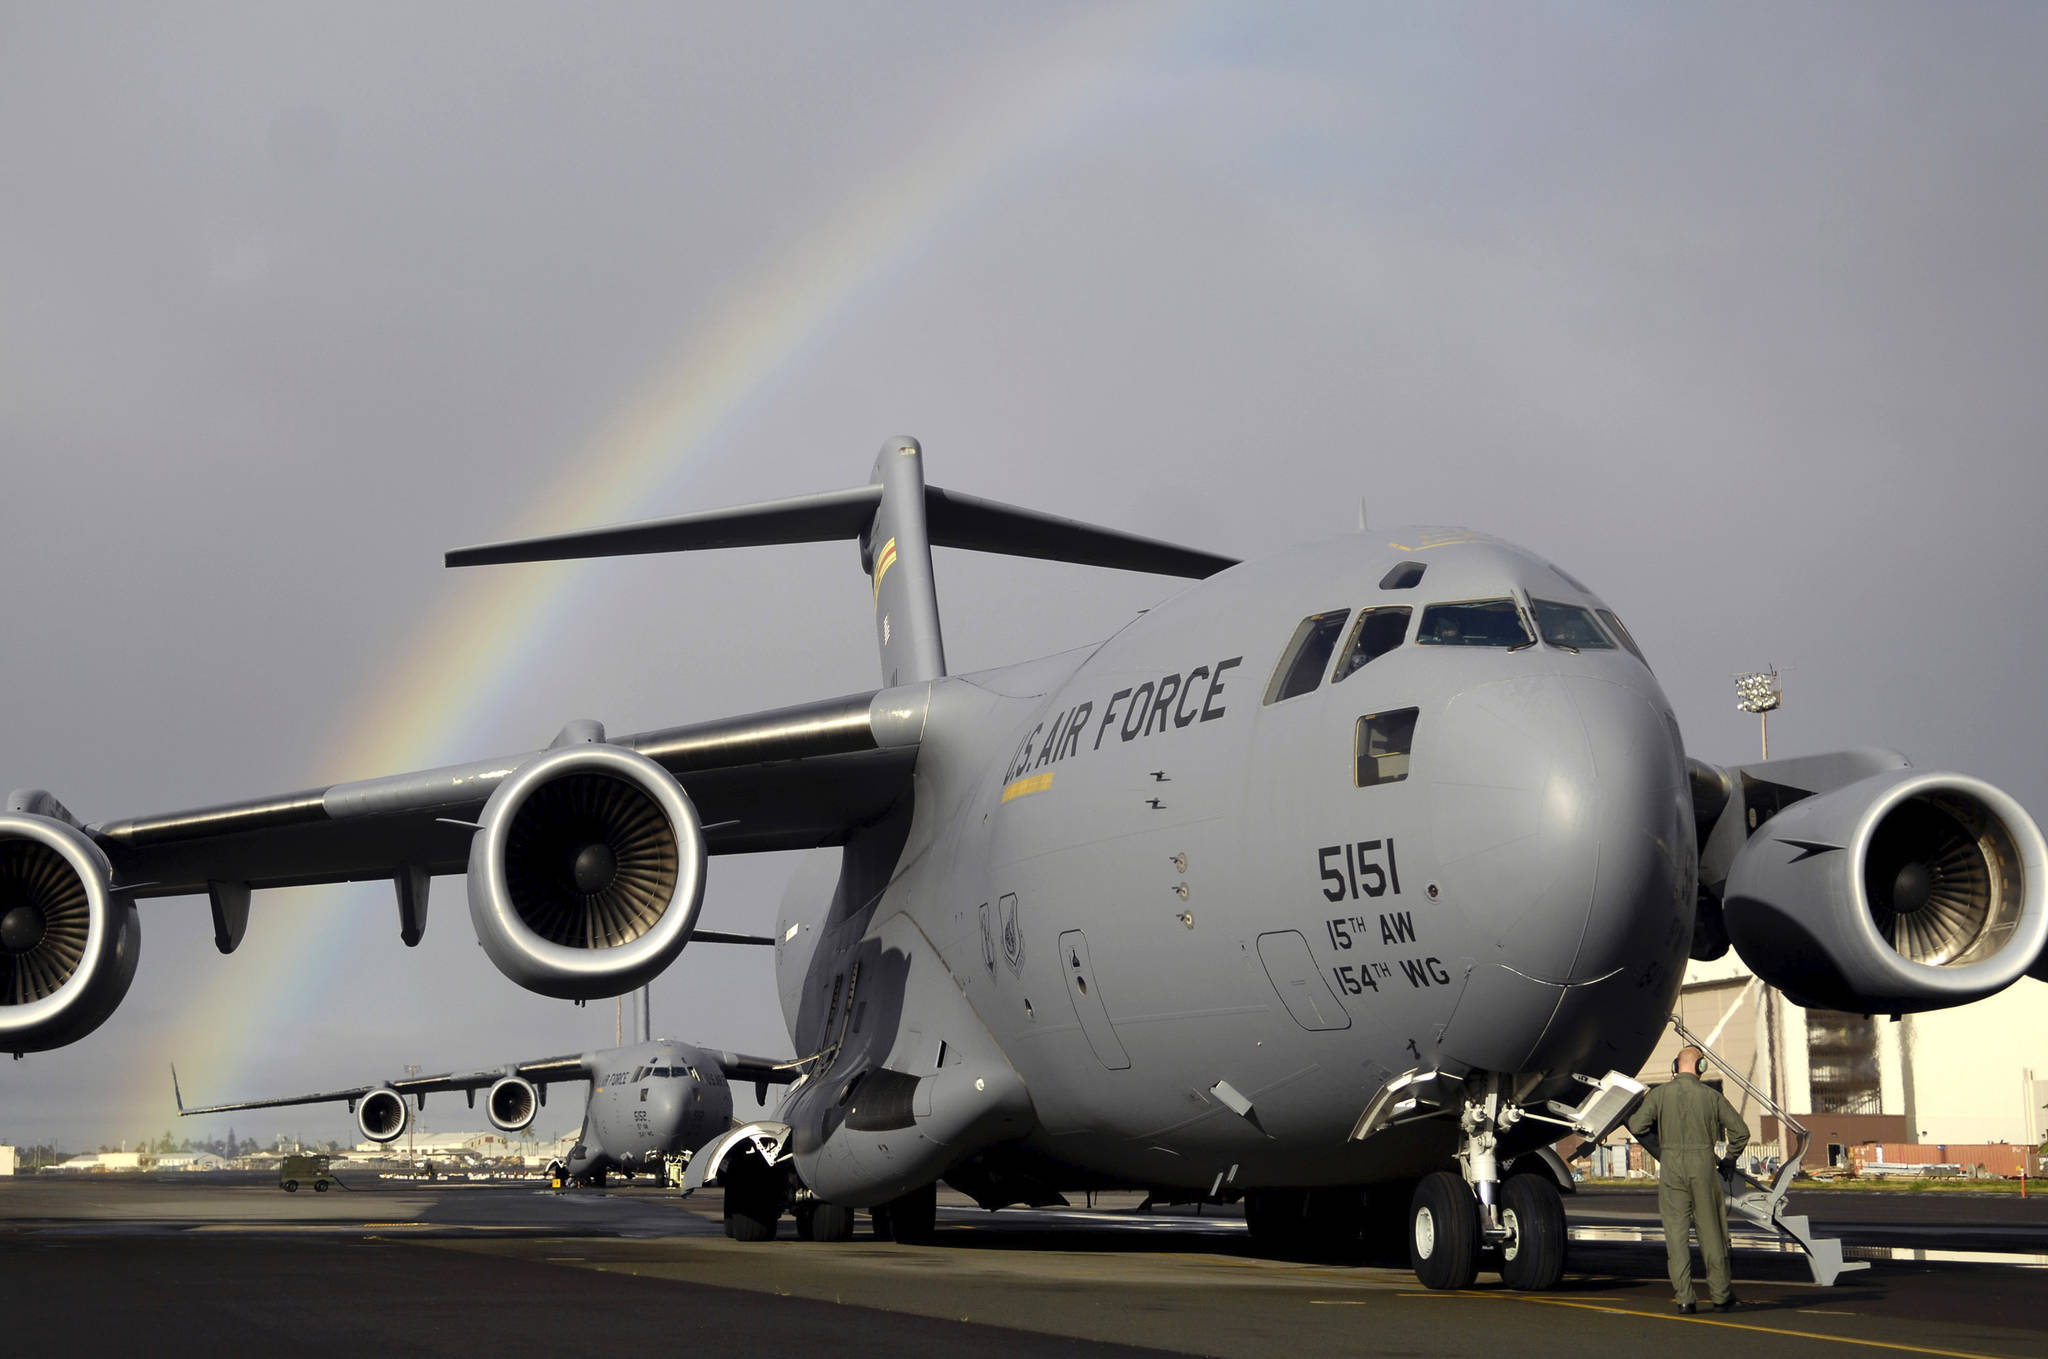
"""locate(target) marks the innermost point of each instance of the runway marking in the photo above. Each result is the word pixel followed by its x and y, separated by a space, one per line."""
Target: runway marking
pixel 1338 1302
pixel 1711 1321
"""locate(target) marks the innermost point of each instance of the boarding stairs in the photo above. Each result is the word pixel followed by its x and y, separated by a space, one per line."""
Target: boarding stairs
pixel 1764 1203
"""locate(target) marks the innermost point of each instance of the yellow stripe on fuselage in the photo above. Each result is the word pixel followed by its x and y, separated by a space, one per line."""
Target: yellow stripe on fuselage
pixel 1035 783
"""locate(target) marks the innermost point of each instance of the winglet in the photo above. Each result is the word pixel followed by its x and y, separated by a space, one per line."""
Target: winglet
pixel 176 1094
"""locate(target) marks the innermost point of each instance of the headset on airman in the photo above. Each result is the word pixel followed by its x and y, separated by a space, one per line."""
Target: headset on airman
pixel 1699 1063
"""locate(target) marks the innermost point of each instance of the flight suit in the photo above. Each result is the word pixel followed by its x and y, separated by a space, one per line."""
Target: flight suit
pixel 1678 1123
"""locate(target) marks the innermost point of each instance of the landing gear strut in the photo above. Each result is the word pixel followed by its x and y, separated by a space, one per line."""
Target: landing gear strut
pixel 1455 1218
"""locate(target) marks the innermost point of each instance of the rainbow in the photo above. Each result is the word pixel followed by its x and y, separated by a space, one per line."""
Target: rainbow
pixel 455 670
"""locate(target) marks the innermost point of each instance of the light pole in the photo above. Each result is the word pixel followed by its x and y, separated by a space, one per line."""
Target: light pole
pixel 1759 693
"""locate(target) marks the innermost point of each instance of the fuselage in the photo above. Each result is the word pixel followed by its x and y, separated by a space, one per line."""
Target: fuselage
pixel 648 1101
pixel 1382 803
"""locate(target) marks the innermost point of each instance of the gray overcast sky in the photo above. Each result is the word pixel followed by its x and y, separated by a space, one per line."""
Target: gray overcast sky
pixel 1737 312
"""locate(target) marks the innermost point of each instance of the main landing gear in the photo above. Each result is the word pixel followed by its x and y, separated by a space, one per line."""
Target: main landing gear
pixel 1456 1219
pixel 1449 1237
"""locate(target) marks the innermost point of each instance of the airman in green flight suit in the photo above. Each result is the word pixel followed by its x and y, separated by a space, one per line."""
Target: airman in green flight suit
pixel 1678 1123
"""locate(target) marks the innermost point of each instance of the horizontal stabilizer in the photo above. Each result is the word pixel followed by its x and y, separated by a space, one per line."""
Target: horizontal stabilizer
pixel 822 518
pixel 954 520
pixel 978 525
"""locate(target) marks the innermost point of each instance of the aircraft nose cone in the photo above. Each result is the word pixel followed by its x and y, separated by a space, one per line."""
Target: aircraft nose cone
pixel 1558 810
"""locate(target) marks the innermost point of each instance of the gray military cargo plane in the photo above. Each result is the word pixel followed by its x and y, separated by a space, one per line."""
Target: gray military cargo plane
pixel 1344 882
pixel 650 1104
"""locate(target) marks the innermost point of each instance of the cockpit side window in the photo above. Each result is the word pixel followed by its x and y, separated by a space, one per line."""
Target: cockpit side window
pixel 1569 626
pixel 1475 622
pixel 1621 632
pixel 1307 655
pixel 1381 745
pixel 1378 632
pixel 1405 576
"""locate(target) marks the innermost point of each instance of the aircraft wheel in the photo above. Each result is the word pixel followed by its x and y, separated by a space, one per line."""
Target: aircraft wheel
pixel 911 1219
pixel 753 1200
pixel 806 1221
pixel 1443 1232
pixel 1533 1213
pixel 831 1222
pixel 291 1186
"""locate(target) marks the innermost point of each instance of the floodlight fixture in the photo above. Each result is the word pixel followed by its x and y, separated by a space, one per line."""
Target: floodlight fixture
pixel 1758 693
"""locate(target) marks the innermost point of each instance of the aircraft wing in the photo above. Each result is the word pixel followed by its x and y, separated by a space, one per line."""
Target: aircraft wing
pixel 790 778
pixel 546 1070
pixel 738 1066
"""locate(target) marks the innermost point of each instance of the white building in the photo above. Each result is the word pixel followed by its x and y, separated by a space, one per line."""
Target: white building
pixel 103 1162
pixel 191 1160
pixel 6 1160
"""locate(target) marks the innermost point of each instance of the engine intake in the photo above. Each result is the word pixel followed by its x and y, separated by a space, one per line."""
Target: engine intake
pixel 68 940
pixel 382 1115
pixel 511 1104
pixel 587 874
pixel 1900 892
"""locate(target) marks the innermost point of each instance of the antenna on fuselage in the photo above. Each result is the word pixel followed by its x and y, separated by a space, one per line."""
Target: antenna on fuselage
pixel 1361 514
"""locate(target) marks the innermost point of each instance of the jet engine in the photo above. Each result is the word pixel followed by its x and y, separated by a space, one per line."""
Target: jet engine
pixel 382 1115
pixel 587 872
pixel 68 939
pixel 1900 892
pixel 511 1104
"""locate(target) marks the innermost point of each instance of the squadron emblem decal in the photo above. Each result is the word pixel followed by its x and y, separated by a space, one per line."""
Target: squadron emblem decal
pixel 1013 937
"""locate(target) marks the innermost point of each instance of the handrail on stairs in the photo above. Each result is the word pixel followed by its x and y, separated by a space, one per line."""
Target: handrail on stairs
pixel 1765 1204
pixel 1790 1169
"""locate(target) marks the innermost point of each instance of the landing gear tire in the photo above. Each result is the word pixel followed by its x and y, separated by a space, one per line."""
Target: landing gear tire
pixel 830 1222
pixel 1443 1232
pixel 910 1220
pixel 753 1200
pixel 1532 1259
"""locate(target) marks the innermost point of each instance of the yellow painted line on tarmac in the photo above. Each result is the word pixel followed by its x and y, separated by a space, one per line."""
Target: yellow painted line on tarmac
pixel 1708 1321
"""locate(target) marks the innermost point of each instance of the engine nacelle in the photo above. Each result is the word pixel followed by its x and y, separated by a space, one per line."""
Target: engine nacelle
pixel 382 1115
pixel 68 940
pixel 511 1104
pixel 587 874
pixel 1900 892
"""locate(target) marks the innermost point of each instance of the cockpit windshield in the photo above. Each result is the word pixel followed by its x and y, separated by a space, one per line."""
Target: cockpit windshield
pixel 1569 626
pixel 1474 622
pixel 1620 630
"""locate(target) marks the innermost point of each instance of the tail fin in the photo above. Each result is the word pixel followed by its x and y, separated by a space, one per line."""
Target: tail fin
pixel 897 520
pixel 896 549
